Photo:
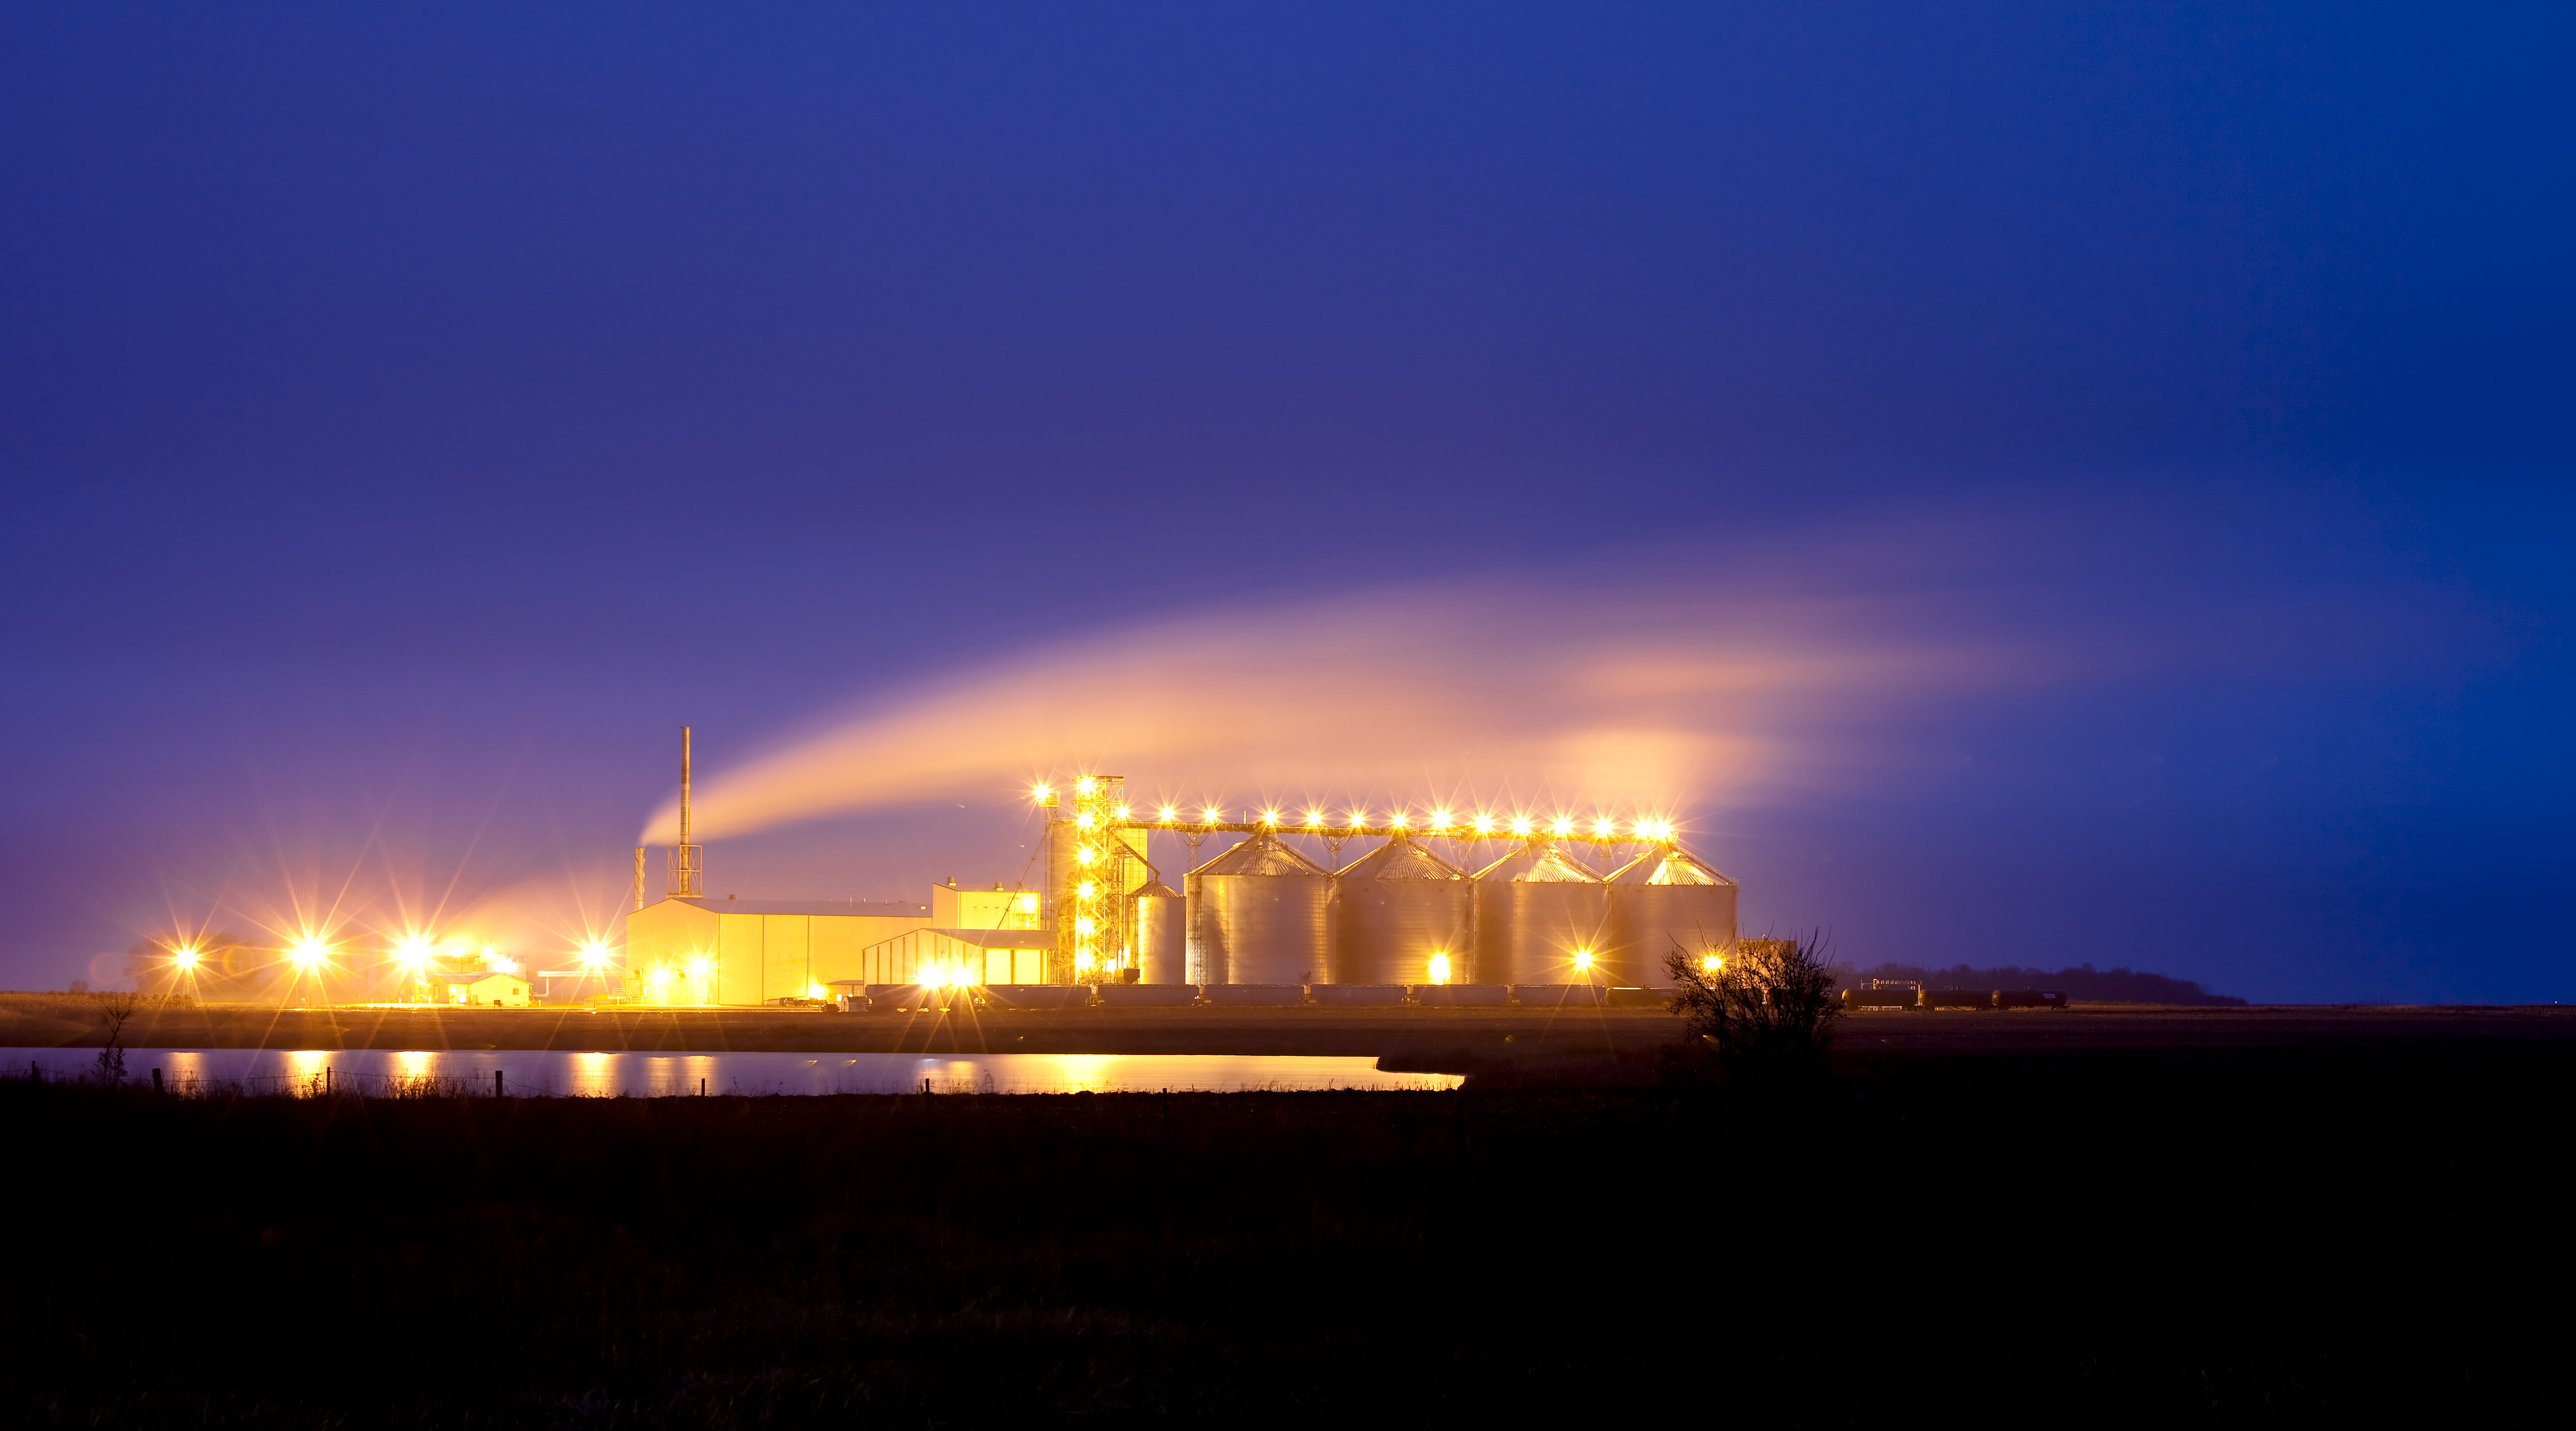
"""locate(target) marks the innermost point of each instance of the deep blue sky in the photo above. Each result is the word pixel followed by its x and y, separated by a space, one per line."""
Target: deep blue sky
pixel 411 415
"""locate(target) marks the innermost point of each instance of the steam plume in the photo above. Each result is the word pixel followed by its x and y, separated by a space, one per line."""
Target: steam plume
pixel 1619 699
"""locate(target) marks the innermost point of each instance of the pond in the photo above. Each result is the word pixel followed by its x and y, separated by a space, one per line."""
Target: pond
pixel 525 1073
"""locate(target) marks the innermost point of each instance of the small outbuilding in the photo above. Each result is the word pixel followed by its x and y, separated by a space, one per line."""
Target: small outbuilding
pixel 490 988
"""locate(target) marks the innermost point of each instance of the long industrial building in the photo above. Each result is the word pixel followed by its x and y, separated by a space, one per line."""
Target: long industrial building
pixel 1259 912
pixel 683 950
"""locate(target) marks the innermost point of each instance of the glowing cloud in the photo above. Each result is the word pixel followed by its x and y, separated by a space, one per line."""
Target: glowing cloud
pixel 1631 700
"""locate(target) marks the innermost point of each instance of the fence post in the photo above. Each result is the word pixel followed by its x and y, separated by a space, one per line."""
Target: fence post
pixel 496 1083
pixel 156 1082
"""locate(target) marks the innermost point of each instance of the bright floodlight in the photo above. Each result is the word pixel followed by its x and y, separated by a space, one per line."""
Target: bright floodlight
pixel 1603 825
pixel 1085 785
pixel 1314 818
pixel 1270 817
pixel 1563 826
pixel 1520 824
pixel 594 954
pixel 185 956
pixel 309 952
pixel 1582 958
pixel 1039 791
pixel 1439 970
pixel 413 953
pixel 1209 814
pixel 1711 963
pixel 1484 824
pixel 1170 813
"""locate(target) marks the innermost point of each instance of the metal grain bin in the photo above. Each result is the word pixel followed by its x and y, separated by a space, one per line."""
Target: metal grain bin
pixel 1664 899
pixel 1400 904
pixel 1536 911
pixel 1260 913
pixel 1161 934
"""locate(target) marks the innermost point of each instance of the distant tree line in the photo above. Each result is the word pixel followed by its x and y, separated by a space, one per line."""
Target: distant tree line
pixel 2082 983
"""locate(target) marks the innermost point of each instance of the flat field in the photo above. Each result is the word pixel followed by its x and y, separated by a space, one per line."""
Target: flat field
pixel 2253 1216
pixel 1589 1046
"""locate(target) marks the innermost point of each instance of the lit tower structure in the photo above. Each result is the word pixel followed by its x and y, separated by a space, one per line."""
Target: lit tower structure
pixel 685 862
pixel 1096 863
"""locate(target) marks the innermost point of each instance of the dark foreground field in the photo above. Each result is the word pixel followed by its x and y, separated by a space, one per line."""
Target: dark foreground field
pixel 2363 1227
pixel 1501 1045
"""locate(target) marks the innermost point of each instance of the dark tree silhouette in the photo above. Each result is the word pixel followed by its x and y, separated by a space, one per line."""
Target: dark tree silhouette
pixel 1765 1008
pixel 115 1007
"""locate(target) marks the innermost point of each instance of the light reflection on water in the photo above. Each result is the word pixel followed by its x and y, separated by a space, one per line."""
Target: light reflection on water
pixel 652 1075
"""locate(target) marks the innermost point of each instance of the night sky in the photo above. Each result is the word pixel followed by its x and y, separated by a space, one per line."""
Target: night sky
pixel 2022 484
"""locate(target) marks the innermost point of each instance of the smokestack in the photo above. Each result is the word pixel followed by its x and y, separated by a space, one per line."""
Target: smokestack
pixel 639 876
pixel 684 864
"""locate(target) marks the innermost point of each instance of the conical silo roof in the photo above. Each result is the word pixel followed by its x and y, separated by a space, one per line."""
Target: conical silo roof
pixel 1670 864
pixel 1263 854
pixel 1537 864
pixel 1400 858
pixel 1158 890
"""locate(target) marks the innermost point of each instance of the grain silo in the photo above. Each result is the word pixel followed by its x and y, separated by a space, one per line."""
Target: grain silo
pixel 1160 922
pixel 1540 918
pixel 1399 906
pixel 1260 913
pixel 1664 899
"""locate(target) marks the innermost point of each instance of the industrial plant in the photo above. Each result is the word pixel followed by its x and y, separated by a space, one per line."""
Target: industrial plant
pixel 1517 901
pixel 1419 905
